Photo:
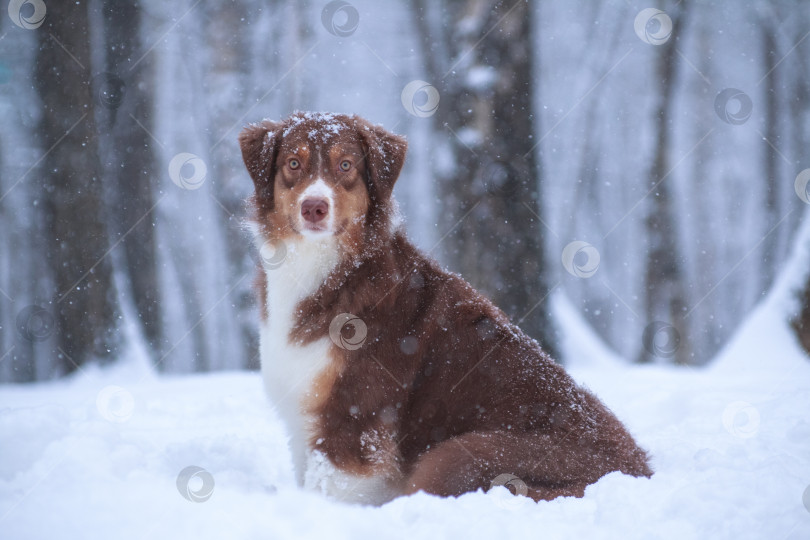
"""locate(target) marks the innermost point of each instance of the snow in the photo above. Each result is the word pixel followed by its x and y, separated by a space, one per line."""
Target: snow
pixel 100 455
pixel 333 124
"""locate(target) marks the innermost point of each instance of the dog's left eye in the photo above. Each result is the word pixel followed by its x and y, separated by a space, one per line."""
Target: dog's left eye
pixel 345 165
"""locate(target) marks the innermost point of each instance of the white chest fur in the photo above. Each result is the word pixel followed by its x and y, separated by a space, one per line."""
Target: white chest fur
pixel 288 369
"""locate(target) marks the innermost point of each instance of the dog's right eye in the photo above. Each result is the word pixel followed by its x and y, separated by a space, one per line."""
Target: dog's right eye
pixel 293 164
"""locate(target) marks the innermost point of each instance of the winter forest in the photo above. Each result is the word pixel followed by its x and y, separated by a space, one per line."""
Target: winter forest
pixel 655 187
pixel 649 185
pixel 629 181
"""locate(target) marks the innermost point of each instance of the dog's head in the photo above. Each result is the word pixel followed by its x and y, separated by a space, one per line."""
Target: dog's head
pixel 320 174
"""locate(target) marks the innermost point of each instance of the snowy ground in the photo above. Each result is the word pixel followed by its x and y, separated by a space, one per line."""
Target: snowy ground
pixel 99 456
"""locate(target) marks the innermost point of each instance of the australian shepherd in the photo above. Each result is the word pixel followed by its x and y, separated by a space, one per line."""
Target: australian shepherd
pixel 392 374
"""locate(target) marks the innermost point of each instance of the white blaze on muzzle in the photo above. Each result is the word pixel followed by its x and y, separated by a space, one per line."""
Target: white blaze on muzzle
pixel 317 191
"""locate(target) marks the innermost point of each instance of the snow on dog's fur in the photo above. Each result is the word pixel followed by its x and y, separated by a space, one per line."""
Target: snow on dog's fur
pixel 392 374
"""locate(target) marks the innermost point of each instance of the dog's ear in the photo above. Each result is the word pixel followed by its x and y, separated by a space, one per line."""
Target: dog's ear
pixel 385 155
pixel 260 143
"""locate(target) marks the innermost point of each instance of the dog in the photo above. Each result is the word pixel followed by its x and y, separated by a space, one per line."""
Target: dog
pixel 392 375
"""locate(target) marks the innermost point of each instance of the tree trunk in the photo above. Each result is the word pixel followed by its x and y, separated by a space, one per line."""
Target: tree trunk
pixel 801 320
pixel 799 107
pixel 490 197
pixel 124 94
pixel 773 211
pixel 230 70
pixel 801 324
pixel 665 337
pixel 84 300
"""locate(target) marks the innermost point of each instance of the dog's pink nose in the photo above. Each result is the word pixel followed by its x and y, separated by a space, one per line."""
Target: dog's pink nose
pixel 314 210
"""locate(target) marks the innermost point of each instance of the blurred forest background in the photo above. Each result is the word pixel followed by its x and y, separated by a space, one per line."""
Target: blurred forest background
pixel 642 163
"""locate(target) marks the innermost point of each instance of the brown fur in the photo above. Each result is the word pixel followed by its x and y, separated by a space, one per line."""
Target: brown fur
pixel 452 392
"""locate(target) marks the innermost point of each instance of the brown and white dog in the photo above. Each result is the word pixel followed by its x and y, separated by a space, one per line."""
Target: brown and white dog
pixel 392 374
